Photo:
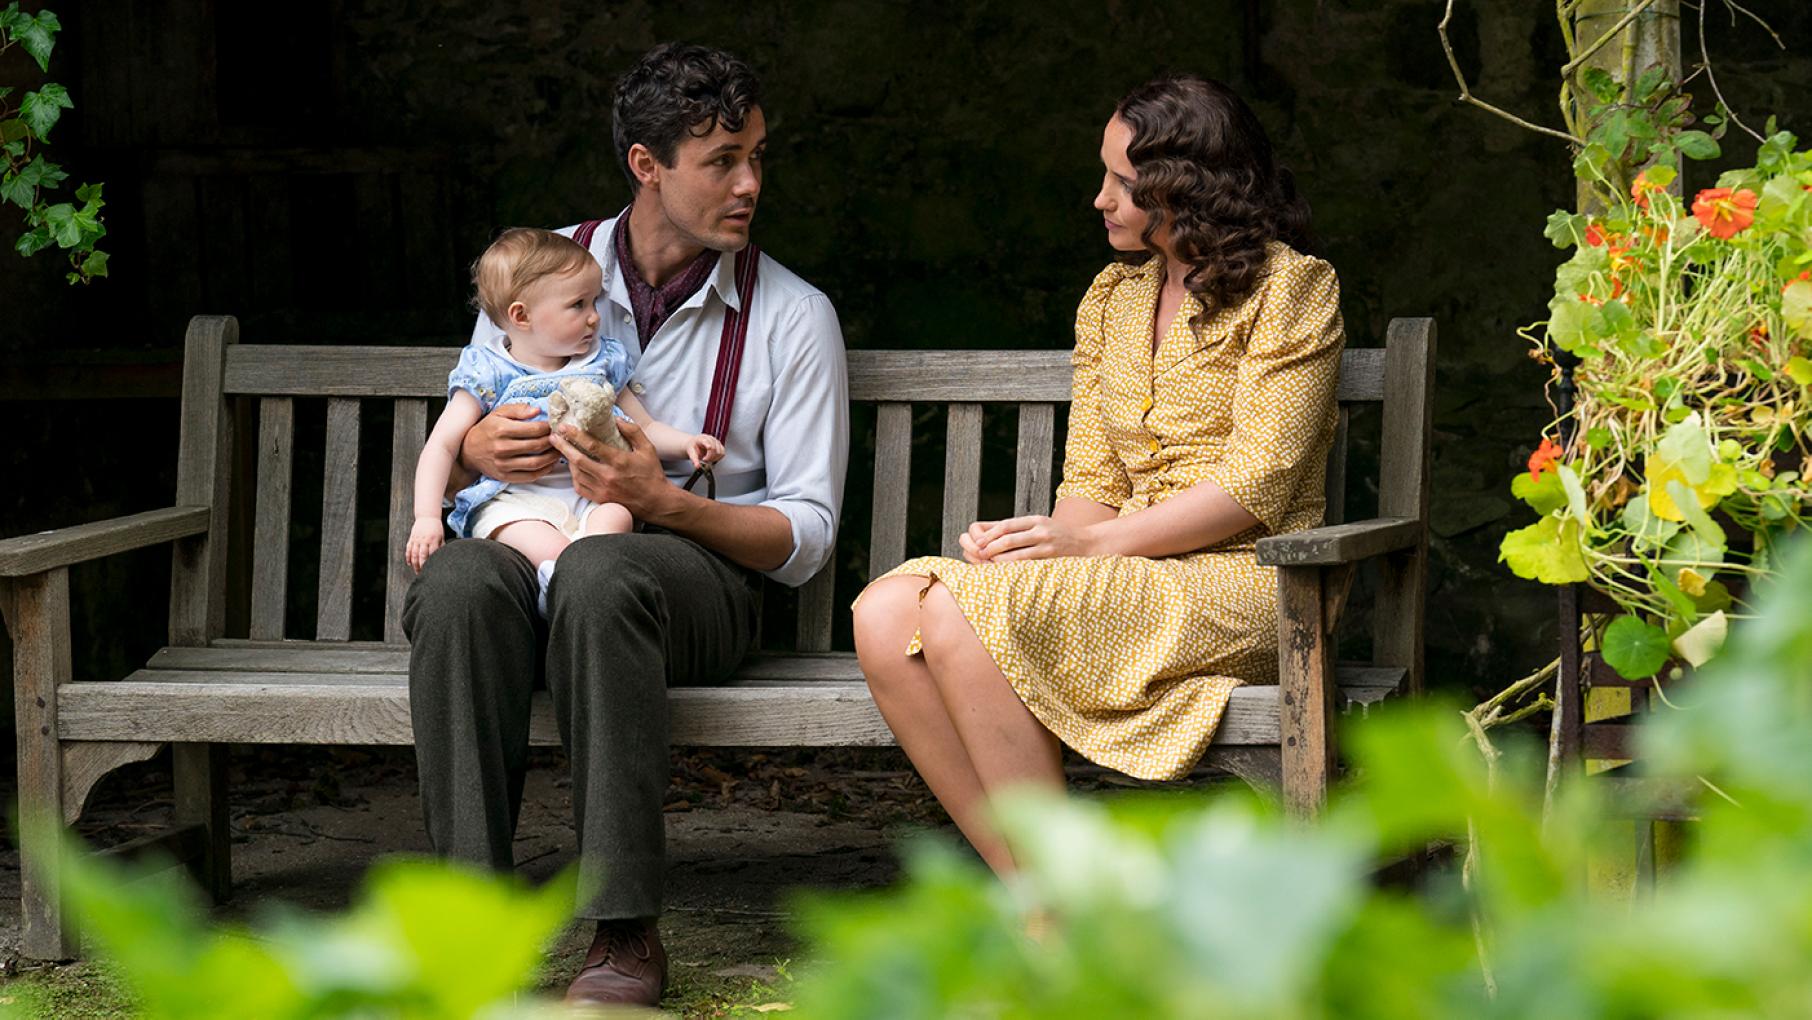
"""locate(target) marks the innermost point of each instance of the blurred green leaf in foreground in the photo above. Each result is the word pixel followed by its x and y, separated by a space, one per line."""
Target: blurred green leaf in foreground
pixel 1179 906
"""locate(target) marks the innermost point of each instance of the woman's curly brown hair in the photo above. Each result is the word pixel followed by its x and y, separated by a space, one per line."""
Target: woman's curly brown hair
pixel 1204 166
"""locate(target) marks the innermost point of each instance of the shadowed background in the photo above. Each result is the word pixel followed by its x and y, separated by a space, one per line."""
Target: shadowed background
pixel 930 168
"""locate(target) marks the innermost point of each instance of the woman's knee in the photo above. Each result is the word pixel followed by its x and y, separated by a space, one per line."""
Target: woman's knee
pixel 884 608
pixel 941 621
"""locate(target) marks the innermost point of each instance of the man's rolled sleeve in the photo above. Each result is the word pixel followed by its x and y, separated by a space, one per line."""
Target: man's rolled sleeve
pixel 806 440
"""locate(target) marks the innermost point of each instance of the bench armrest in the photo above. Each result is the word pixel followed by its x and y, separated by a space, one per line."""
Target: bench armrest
pixel 48 550
pixel 1339 543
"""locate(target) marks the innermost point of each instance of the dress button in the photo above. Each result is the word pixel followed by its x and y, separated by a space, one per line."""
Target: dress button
pixel 637 388
pixel 1146 406
pixel 1154 445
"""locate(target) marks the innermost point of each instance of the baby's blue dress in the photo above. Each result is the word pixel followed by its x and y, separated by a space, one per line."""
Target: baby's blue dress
pixel 495 378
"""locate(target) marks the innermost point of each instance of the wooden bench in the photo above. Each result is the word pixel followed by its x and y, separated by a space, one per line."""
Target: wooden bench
pixel 207 690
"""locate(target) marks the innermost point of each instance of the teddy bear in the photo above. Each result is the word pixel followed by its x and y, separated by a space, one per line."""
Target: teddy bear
pixel 589 407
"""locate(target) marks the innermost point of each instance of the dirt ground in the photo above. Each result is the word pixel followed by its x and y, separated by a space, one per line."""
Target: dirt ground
pixel 745 831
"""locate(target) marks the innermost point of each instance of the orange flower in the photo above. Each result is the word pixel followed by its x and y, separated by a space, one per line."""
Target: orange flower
pixel 1543 458
pixel 1805 277
pixel 1590 300
pixel 1723 212
pixel 1594 235
pixel 1642 187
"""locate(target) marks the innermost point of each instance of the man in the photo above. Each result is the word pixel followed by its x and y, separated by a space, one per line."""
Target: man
pixel 628 615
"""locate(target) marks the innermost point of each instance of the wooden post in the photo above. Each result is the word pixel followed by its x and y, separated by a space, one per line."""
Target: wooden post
pixel 38 616
pixel 1403 492
pixel 1651 39
pixel 1305 667
pixel 198 575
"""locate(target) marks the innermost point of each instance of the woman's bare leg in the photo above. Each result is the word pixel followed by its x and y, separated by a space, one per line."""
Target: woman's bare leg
pixel 908 697
pixel 1007 746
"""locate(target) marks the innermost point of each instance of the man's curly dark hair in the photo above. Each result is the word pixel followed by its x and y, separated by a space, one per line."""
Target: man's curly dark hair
pixel 675 90
pixel 1203 165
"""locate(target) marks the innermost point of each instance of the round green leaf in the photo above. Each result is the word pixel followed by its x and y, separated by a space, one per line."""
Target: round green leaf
pixel 1635 648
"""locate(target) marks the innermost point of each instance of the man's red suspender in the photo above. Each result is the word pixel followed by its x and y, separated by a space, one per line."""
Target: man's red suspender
pixel 729 345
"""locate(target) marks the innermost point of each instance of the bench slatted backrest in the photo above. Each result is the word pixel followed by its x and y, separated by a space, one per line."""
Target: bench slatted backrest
pixel 413 379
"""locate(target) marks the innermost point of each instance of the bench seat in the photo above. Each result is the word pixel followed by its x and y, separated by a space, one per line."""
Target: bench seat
pixel 287 692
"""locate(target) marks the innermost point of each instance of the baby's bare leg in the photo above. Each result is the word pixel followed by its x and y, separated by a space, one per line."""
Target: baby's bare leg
pixel 608 519
pixel 538 540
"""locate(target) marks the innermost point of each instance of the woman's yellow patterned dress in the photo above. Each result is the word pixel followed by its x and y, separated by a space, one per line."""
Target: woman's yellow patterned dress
pixel 1130 660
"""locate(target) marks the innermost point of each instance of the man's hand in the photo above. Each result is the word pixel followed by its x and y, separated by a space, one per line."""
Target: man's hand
pixel 507 446
pixel 633 478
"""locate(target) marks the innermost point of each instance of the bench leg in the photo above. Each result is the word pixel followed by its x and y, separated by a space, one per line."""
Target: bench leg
pixel 1305 660
pixel 37 614
pixel 201 799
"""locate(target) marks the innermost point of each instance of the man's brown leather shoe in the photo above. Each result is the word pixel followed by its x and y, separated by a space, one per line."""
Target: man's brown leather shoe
pixel 626 966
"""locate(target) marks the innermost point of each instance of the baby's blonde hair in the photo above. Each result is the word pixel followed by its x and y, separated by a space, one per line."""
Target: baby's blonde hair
pixel 516 261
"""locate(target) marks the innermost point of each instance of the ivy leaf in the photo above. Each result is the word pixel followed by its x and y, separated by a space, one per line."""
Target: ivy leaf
pixel 60 220
pixel 1698 145
pixel 1635 648
pixel 1547 551
pixel 35 34
pixel 89 194
pixel 41 109
pixel 95 265
pixel 12 130
pixel 33 241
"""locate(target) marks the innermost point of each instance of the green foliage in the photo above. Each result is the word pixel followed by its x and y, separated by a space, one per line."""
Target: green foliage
pixel 426 940
pixel 1693 333
pixel 1182 907
pixel 26 174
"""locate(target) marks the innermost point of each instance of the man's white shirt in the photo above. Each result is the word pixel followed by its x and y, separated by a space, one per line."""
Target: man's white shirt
pixel 788 440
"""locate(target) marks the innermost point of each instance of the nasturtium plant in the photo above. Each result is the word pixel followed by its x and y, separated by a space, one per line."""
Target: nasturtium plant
pixel 1684 458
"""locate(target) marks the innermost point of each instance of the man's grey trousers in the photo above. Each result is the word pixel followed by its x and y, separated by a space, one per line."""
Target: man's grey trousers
pixel 629 615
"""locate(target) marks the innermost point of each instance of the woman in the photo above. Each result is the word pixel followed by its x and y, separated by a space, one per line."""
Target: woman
pixel 1205 364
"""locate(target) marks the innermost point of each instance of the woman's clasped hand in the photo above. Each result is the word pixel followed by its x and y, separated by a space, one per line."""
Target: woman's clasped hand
pixel 1035 537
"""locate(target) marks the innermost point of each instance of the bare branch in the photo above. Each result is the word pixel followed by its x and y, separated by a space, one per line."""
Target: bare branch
pixel 1735 8
pixel 1622 23
pixel 1466 95
pixel 1705 55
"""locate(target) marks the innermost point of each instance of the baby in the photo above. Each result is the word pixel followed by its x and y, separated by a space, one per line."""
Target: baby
pixel 542 289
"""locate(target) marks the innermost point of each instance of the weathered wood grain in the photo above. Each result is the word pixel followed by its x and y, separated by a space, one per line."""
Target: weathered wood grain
pixel 31 554
pixel 1032 467
pixel 407 434
pixel 339 520
pixel 1339 543
pixel 1335 511
pixel 270 534
pixel 38 618
pixel 893 482
pixel 203 478
pixel 1305 677
pixel 1038 376
pixel 87 762
pixel 817 603
pixel 1402 579
pixel 199 774
pixel 962 474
